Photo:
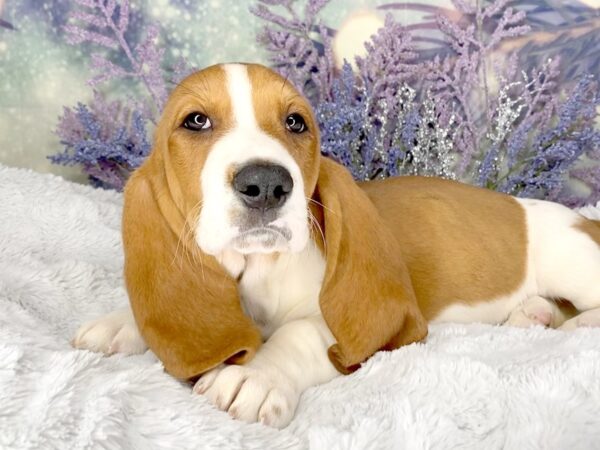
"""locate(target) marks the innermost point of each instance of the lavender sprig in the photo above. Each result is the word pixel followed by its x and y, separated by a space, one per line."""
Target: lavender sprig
pixel 105 23
pixel 300 48
pixel 547 157
pixel 402 110
pixel 108 139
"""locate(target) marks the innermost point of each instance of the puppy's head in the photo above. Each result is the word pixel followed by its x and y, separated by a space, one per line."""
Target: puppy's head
pixel 242 157
pixel 236 157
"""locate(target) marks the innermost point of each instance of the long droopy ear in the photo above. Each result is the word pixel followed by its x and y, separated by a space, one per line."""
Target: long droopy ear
pixel 186 307
pixel 367 297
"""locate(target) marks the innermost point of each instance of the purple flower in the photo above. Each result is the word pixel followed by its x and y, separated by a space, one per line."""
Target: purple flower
pixel 105 24
pixel 108 139
pixel 402 110
pixel 543 167
pixel 299 48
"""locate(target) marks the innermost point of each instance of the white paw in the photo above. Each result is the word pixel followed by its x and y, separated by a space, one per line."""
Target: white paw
pixel 114 333
pixel 589 318
pixel 534 311
pixel 524 319
pixel 250 394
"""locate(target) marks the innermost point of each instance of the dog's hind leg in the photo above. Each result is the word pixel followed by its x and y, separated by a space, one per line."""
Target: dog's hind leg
pixel 586 286
pixel 590 318
pixel 564 253
pixel 540 311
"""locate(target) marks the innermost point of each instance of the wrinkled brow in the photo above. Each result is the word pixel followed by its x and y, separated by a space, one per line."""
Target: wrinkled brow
pixel 199 89
pixel 296 102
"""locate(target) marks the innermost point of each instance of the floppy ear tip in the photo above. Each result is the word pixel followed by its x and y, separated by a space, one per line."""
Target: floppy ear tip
pixel 418 324
pixel 194 369
pixel 243 356
pixel 340 361
pixel 414 328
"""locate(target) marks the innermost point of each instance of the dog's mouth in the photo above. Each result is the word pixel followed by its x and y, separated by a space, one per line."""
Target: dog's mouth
pixel 263 239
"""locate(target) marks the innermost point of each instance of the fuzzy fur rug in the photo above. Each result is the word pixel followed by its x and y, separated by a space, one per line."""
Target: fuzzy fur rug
pixel 468 387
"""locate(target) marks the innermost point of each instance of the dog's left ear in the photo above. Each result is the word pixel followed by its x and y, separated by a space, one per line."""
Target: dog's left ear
pixel 367 297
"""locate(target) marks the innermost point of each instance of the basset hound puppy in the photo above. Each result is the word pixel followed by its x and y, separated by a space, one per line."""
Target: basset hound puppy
pixel 260 268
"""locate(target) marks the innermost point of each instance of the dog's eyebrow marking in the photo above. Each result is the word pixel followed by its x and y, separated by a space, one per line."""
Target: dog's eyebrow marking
pixel 239 88
pixel 199 95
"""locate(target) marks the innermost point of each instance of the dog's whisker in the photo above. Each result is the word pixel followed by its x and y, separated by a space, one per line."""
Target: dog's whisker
pixel 179 238
pixel 185 240
pixel 185 232
pixel 193 248
pixel 317 225
pixel 320 204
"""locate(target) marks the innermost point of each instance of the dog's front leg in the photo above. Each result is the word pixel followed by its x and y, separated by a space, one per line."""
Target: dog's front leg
pixel 115 332
pixel 267 389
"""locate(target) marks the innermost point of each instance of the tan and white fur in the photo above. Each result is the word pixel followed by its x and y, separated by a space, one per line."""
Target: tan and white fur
pixel 280 282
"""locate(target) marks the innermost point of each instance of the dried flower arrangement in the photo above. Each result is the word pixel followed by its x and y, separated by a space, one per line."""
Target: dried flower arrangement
pixel 109 139
pixel 403 112
pixel 403 109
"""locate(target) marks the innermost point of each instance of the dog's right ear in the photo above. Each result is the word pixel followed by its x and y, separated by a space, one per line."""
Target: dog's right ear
pixel 186 306
pixel 367 298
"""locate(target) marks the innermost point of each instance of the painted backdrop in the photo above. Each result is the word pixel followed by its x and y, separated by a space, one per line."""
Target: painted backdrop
pixel 498 93
pixel 40 72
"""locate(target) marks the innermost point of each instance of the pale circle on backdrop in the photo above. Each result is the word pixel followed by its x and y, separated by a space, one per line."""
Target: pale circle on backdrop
pixel 350 38
pixel 591 3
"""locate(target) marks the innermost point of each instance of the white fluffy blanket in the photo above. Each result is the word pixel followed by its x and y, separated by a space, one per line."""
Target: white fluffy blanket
pixel 476 386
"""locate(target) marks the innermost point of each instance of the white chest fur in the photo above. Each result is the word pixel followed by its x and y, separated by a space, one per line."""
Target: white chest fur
pixel 278 288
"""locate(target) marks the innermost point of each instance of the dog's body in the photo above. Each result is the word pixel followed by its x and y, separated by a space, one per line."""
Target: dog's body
pixel 465 254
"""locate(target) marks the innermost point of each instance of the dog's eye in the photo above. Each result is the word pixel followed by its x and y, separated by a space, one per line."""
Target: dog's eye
pixel 197 121
pixel 295 123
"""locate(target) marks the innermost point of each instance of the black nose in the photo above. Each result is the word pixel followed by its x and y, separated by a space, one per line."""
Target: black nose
pixel 263 186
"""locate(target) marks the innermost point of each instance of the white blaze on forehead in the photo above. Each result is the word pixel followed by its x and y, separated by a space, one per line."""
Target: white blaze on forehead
pixel 239 88
pixel 219 226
